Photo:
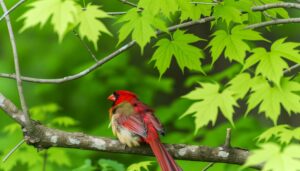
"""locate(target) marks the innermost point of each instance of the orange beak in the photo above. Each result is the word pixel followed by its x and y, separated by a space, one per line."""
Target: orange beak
pixel 111 98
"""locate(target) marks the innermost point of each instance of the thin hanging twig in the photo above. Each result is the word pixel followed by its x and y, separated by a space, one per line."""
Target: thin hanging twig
pixel 13 150
pixel 85 46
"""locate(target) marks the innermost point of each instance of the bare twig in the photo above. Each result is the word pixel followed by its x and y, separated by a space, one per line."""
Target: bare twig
pixel 116 13
pixel 227 143
pixel 205 3
pixel 265 13
pixel 13 150
pixel 85 46
pixel 292 68
pixel 45 160
pixel 276 5
pixel 128 3
pixel 12 9
pixel 104 60
pixel 17 67
pixel 273 22
pixel 208 166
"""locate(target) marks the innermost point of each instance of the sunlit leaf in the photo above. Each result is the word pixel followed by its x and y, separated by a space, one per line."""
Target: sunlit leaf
pixel 270 98
pixel 210 99
pixel 232 43
pixel 61 12
pixel 185 54
pixel 89 24
pixel 274 158
pixel 271 64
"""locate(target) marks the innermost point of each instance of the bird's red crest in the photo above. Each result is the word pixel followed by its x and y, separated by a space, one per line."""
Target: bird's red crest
pixel 120 96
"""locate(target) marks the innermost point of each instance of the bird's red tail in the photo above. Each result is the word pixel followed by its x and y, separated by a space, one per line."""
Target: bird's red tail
pixel 164 159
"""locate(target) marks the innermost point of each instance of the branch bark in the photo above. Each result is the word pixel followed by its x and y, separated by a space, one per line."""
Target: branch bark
pixel 276 5
pixel 44 137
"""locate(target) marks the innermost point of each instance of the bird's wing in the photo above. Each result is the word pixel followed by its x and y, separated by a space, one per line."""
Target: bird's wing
pixel 131 120
pixel 150 117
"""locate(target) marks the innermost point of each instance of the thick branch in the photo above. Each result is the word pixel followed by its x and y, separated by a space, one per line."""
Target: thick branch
pixel 276 5
pixel 102 61
pixel 17 67
pixel 44 137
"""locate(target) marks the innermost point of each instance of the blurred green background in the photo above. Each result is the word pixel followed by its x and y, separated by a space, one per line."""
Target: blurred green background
pixel 81 105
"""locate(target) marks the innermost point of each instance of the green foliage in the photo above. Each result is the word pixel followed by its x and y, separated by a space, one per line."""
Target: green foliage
pixel 87 166
pixel 110 165
pixel 228 11
pixel 240 85
pixel 275 158
pixel 193 11
pixel 270 98
pixel 185 54
pixel 139 166
pixel 89 26
pixel 64 121
pixel 66 14
pixel 233 42
pixel 283 133
pixel 211 100
pixel 61 14
pixel 253 75
pixel 142 25
pixel 271 64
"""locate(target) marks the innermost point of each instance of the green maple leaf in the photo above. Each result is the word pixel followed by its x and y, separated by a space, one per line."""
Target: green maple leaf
pixel 272 132
pixel 185 54
pixel 139 166
pixel 193 11
pixel 89 25
pixel 228 10
pixel 233 43
pixel 240 85
pixel 166 7
pixel 62 14
pixel 274 158
pixel 284 133
pixel 270 98
pixel 209 101
pixel 142 26
pixel 271 64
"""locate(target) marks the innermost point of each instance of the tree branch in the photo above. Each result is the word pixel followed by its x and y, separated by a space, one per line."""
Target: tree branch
pixel 102 61
pixel 17 67
pixel 273 22
pixel 128 3
pixel 12 9
pixel 44 137
pixel 276 5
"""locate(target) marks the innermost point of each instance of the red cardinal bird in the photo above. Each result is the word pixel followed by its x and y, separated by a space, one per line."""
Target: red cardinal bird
pixel 134 122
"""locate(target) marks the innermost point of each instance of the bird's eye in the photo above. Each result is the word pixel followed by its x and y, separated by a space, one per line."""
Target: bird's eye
pixel 116 95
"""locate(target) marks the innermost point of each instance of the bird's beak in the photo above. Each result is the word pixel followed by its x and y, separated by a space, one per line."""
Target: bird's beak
pixel 111 97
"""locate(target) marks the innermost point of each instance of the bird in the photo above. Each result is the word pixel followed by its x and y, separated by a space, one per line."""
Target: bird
pixel 133 123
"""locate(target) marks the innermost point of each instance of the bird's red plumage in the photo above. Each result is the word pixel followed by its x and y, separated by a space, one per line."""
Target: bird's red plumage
pixel 134 122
